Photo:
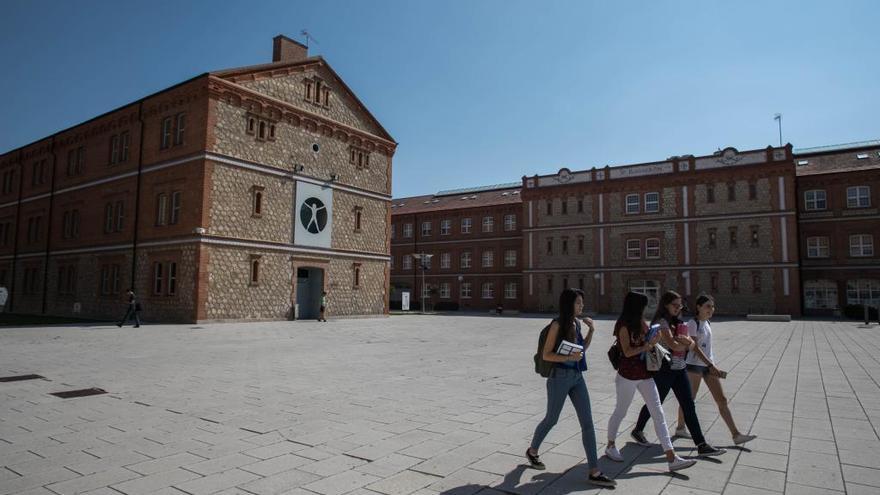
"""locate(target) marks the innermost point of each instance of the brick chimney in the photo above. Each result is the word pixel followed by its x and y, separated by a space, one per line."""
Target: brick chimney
pixel 285 49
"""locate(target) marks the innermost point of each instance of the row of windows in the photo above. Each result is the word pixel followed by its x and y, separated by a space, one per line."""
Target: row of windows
pixel 860 246
pixel 732 236
pixel 487 290
pixel 646 287
pixel 316 92
pixel 564 245
pixel 466 226
pixel 564 207
pixel 856 197
pixel 822 294
pixel 731 192
pixel 465 260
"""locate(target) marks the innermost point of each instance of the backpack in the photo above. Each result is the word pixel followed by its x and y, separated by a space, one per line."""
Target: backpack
pixel 544 368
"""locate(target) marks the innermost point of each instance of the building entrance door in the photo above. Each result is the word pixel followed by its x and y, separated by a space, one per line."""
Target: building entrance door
pixel 309 285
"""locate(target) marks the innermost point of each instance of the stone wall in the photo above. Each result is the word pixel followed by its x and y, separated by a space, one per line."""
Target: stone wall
pixel 572 216
pixel 743 251
pixel 160 306
pixel 343 299
pixel 618 236
pixel 372 237
pixel 560 260
pixel 232 296
pixel 743 301
pixel 742 203
pixel 231 213
pixel 87 290
pixel 617 205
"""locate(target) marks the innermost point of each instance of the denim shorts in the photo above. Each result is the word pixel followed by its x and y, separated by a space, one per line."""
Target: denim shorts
pixel 697 369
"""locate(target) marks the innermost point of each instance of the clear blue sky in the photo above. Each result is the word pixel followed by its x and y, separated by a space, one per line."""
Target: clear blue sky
pixel 480 92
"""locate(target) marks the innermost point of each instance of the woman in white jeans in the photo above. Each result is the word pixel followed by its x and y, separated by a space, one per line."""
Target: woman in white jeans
pixel 632 374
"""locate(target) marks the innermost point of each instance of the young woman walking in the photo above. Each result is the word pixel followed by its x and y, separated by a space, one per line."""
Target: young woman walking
pixel 672 375
pixel 701 366
pixel 632 375
pixel 567 379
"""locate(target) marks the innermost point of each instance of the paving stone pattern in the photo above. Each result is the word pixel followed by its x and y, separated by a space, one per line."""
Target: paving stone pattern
pixel 421 405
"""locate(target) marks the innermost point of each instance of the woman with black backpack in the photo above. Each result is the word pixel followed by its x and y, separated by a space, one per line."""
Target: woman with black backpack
pixel 567 380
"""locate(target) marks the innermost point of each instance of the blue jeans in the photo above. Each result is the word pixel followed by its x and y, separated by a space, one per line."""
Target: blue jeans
pixel 568 382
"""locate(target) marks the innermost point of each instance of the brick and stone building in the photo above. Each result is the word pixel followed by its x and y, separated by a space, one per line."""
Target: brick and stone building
pixel 724 223
pixel 837 191
pixel 238 194
pixel 475 237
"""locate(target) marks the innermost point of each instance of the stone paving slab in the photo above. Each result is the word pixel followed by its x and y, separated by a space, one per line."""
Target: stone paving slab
pixel 412 405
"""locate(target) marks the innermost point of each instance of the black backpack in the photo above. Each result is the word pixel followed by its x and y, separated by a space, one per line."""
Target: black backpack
pixel 544 368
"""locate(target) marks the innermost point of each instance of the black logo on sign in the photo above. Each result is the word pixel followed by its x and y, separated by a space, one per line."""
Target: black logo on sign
pixel 313 215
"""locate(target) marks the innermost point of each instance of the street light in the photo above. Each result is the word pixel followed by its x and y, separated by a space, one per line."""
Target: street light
pixel 424 259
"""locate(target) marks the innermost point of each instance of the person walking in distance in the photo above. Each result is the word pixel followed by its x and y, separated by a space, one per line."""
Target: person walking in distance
pixel 632 374
pixel 567 380
pixel 322 316
pixel 672 375
pixel 134 307
pixel 701 367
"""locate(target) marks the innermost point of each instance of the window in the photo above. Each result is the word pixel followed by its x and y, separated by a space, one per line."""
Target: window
pixel 820 294
pixel 580 244
pixel 815 200
pixel 858 197
pixel 861 245
pixel 356 275
pixel 633 249
pixel 257 201
pixel 105 279
pixel 38 175
pixel 549 208
pixel 114 149
pixel 125 137
pixel 652 248
pixel 710 193
pixel 652 202
pixel 76 159
pixel 632 204
pixel 713 238
pixel 862 291
pixel 756 282
pixel 564 206
pixel 754 236
pixel 120 215
pixel 581 283
pixel 425 263
pixel 255 270
pixel 393 229
pixel 358 214
pixel 8 181
pixel 444 290
pixel 172 278
pixel 161 209
pixel 713 282
pixel 359 157
pixel 753 191
pixel 549 285
pixel 445 227
pixel 731 191
pixel 166 133
pixel 407 230
pixel 466 224
pixel 564 245
pixel 580 205
pixel 180 120
pixel 316 92
pixel 465 260
pixel 650 288
pixel 175 207
pixel 488 259
pixel 488 290
pixel 426 229
pixel 732 232
pixel 488 224
pixel 35 228
pixel 510 290
pixel 549 245
pixel 445 261
pixel 564 283
pixel 734 282
pixel 510 258
pixel 158 279
pixel 407 262
pixel 509 222
pixel 465 290
pixel 818 247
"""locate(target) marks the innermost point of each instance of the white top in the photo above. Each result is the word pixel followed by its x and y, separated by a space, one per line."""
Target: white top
pixel 702 334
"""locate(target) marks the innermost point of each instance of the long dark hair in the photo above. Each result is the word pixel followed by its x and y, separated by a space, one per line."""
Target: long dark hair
pixel 566 313
pixel 662 313
pixel 701 300
pixel 634 305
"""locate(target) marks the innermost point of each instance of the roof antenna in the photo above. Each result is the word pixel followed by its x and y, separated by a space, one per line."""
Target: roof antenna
pixel 309 37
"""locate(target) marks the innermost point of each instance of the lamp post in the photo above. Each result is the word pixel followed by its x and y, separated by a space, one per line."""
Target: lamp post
pixel 424 259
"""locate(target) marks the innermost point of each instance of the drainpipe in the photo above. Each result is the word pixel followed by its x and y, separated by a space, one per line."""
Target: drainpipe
pixel 137 197
pixel 49 231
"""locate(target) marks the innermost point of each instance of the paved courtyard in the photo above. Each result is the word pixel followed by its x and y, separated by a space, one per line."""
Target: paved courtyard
pixel 420 405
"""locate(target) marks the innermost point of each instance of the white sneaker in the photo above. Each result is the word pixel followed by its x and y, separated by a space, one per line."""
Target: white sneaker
pixel 613 454
pixel 681 433
pixel 741 439
pixel 678 464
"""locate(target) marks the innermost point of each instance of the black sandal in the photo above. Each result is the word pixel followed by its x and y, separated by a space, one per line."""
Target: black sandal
pixel 602 480
pixel 535 461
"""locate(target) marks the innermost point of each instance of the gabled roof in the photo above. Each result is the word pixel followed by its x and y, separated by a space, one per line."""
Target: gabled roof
pixel 229 74
pixel 477 197
pixel 849 157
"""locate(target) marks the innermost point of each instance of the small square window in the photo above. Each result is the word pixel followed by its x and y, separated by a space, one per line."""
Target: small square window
pixel 632 204
pixel 652 202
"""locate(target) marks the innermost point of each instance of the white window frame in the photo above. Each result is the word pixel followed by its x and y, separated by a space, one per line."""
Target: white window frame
pixel 466 225
pixel 812 198
pixel 649 248
pixel 444 290
pixel 487 290
pixel 510 257
pixel 407 230
pixel 488 259
pixel 858 197
pixel 509 222
pixel 445 227
pixel 445 261
pixel 631 204
pixel 407 262
pixel 861 245
pixel 465 260
pixel 426 229
pixel 652 205
pixel 633 245
pixel 861 291
pixel 510 290
pixel 818 247
pixel 488 224
pixel 465 290
pixel 821 294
